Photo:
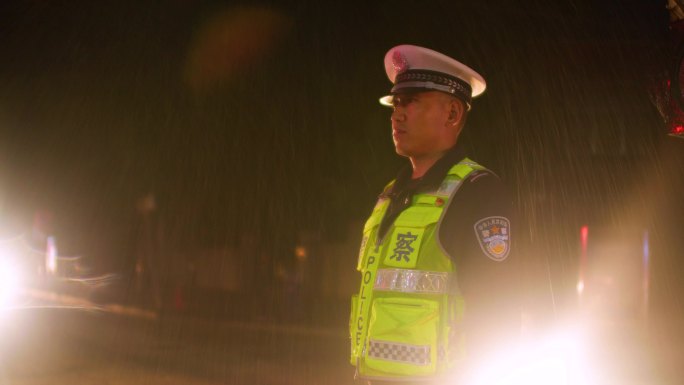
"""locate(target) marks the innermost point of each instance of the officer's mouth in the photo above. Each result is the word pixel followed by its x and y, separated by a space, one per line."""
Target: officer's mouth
pixel 396 133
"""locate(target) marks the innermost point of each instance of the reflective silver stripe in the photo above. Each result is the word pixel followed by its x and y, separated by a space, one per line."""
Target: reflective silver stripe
pixel 398 352
pixel 411 281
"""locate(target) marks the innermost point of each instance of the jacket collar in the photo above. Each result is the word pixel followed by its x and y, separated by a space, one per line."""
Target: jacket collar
pixel 432 178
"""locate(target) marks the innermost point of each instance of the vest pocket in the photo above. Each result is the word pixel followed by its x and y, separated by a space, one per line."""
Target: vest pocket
pixel 402 336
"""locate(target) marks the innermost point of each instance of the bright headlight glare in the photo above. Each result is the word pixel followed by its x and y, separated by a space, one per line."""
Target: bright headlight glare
pixel 10 281
pixel 554 360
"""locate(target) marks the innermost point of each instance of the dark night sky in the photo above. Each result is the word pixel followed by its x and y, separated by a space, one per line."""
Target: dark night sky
pixel 99 104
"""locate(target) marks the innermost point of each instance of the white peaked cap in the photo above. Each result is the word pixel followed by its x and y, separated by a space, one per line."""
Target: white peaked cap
pixel 413 68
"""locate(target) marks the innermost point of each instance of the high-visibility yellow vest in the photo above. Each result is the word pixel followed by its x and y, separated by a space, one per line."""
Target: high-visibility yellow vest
pixel 404 321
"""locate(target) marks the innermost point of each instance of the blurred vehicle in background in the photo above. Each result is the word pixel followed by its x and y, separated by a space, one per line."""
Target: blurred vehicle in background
pixel 667 91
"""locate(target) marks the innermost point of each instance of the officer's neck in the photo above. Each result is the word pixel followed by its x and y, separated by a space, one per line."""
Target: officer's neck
pixel 421 164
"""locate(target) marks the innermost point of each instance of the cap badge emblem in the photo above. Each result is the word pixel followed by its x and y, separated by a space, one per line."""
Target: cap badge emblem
pixel 399 62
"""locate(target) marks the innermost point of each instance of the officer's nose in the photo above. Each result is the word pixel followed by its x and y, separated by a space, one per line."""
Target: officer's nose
pixel 398 115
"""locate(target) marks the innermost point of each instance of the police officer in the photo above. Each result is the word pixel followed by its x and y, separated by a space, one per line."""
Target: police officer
pixel 438 290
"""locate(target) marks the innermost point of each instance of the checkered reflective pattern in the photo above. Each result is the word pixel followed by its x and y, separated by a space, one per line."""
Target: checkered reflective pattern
pixel 405 353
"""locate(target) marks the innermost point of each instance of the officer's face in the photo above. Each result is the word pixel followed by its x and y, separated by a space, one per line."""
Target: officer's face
pixel 419 124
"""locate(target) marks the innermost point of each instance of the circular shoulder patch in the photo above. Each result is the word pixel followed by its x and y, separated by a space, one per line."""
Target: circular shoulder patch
pixel 493 235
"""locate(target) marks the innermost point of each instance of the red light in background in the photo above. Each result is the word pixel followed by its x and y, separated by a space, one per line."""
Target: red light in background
pixel 584 235
pixel 676 129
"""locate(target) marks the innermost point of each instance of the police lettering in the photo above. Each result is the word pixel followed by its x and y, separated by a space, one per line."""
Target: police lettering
pixel 367 279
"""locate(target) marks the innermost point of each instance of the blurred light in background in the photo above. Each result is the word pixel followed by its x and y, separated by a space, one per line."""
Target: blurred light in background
pixel 645 278
pixel 300 253
pixel 677 130
pixel 584 238
pixel 51 256
pixel 231 41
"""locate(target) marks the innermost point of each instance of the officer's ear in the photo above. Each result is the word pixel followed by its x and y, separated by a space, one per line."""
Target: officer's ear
pixel 457 110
